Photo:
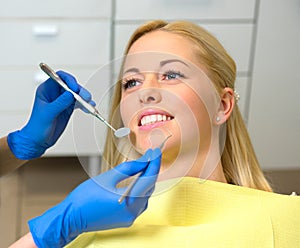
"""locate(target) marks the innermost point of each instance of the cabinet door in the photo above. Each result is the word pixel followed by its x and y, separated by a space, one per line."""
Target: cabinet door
pixel 274 114
pixel 187 9
pixel 56 8
pixel 237 40
pixel 81 43
pixel 17 91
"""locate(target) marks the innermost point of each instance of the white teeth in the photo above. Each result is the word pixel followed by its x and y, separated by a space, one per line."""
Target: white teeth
pixel 153 118
pixel 149 119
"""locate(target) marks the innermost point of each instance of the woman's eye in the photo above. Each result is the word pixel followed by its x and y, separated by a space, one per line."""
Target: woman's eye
pixel 130 83
pixel 171 75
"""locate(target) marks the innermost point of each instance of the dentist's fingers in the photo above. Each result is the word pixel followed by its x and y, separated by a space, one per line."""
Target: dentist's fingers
pixel 127 169
pixel 146 182
pixel 70 81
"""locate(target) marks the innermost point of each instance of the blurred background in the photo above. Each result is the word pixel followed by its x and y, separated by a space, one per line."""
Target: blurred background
pixel 79 36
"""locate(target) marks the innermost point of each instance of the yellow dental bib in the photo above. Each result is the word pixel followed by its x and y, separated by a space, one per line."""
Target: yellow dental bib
pixel 195 213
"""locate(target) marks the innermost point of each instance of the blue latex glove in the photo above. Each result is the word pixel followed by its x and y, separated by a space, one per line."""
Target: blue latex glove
pixel 94 206
pixel 51 112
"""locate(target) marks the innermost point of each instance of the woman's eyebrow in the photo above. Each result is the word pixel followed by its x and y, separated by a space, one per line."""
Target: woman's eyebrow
pixel 133 69
pixel 164 62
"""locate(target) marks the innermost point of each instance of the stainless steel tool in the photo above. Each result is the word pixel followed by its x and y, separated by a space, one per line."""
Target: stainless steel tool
pixel 119 133
pixel 130 186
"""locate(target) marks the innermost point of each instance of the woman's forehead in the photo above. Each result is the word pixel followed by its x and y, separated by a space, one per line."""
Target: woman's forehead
pixel 162 41
pixel 153 61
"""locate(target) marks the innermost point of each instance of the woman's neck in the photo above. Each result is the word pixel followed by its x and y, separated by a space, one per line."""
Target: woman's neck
pixel 206 165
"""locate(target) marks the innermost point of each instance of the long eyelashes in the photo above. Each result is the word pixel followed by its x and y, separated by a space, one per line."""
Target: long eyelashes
pixel 130 83
pixel 170 75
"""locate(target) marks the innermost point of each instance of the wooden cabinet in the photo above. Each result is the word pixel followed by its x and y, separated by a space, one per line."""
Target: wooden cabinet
pixel 9 209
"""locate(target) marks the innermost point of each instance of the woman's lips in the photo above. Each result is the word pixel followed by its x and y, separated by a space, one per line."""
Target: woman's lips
pixel 153 118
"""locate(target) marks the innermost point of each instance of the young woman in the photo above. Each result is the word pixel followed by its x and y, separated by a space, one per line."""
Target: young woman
pixel 177 80
pixel 205 55
pixel 177 86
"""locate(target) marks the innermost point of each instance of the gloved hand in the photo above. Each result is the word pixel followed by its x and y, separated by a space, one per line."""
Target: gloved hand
pixel 94 206
pixel 51 112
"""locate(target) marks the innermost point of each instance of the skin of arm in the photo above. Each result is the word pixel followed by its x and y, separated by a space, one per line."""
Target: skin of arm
pixel 25 242
pixel 8 161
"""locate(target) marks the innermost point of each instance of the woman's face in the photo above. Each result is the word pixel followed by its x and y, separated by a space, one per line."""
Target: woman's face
pixel 166 92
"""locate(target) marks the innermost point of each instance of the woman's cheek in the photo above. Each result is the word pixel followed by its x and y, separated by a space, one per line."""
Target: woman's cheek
pixel 128 110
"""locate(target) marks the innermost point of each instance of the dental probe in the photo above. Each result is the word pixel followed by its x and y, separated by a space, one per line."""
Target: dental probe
pixel 130 186
pixel 119 133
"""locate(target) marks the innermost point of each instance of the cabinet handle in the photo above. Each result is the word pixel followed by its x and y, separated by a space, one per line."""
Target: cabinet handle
pixel 45 30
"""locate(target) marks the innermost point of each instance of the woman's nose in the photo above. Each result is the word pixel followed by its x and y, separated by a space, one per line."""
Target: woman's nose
pixel 150 93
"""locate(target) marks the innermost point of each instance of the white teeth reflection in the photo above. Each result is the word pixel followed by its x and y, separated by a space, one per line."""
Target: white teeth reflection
pixel 150 119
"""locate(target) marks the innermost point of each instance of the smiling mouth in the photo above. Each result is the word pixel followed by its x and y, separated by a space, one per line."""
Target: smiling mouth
pixel 154 118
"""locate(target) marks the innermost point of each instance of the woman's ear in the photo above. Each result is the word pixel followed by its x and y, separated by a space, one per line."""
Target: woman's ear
pixel 227 103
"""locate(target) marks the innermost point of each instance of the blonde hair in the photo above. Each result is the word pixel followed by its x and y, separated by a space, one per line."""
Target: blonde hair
pixel 238 159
